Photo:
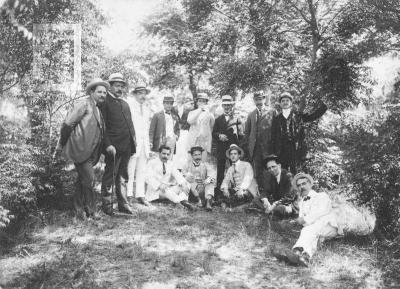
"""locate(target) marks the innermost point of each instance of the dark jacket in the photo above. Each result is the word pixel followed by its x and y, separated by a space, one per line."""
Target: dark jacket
pixel 119 126
pixel 263 135
pixel 157 129
pixel 292 130
pixel 273 191
pixel 221 127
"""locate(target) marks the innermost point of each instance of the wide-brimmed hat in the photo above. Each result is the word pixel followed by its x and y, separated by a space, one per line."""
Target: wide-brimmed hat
pixel 195 149
pixel 234 147
pixel 285 95
pixel 141 88
pixel 227 99
pixel 116 77
pixel 259 94
pixel 301 176
pixel 203 95
pixel 270 158
pixel 95 82
pixel 168 98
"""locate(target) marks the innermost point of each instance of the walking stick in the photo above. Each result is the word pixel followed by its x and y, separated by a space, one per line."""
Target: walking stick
pixel 113 184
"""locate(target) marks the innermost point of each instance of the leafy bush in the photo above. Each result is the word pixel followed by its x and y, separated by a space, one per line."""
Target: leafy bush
pixel 372 154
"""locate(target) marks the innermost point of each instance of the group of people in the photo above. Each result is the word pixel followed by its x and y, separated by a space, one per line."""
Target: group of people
pixel 255 162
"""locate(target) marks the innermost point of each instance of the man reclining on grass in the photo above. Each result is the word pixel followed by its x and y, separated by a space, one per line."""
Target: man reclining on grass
pixel 321 221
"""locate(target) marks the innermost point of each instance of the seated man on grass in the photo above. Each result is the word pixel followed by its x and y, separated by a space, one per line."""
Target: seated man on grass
pixel 200 177
pixel 276 193
pixel 322 221
pixel 239 186
pixel 165 181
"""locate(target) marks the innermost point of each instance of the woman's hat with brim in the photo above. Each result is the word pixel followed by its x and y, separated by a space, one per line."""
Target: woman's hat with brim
pixel 141 88
pixel 196 149
pixel 203 95
pixel 227 99
pixel 95 82
pixel 116 77
pixel 302 176
pixel 285 95
pixel 234 147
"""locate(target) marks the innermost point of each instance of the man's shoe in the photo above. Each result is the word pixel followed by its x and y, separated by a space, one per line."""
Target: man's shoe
pixel 188 205
pixel 125 209
pixel 304 259
pixel 199 204
pixel 143 201
pixel 208 205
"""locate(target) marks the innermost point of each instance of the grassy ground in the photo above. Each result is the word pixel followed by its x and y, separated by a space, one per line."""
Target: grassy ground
pixel 173 248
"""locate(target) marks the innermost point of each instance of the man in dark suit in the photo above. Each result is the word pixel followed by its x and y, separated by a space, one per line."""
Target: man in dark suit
pixel 80 141
pixel 258 134
pixel 119 142
pixel 227 130
pixel 288 132
pixel 164 127
pixel 276 193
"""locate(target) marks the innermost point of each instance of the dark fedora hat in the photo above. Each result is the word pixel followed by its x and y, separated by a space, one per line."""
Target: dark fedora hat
pixel 196 149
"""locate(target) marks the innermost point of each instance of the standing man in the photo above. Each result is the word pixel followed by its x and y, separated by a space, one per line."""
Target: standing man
pixel 288 132
pixel 137 163
pixel 164 127
pixel 201 123
pixel 165 181
pixel 227 131
pixel 200 177
pixel 258 134
pixel 239 185
pixel 81 140
pixel 119 142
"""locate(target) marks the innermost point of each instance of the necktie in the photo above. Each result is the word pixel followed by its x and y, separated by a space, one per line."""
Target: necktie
pixel 306 198
pixel 141 109
pixel 258 115
pixel 164 171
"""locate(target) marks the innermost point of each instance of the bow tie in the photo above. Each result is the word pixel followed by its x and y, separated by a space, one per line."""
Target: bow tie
pixel 168 112
pixel 306 198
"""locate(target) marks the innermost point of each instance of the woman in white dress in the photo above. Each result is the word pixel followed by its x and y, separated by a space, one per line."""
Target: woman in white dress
pixel 201 122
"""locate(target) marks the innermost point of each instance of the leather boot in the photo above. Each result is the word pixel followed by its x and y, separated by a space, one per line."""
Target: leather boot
pixel 188 205
pixel 209 205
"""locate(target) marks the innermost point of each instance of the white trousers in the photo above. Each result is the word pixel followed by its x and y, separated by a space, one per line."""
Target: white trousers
pixel 175 194
pixel 137 165
pixel 320 230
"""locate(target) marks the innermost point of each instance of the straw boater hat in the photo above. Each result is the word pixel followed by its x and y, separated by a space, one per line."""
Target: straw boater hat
pixel 234 147
pixel 196 149
pixel 116 77
pixel 168 99
pixel 203 95
pixel 227 99
pixel 95 82
pixel 259 94
pixel 302 176
pixel 141 88
pixel 285 95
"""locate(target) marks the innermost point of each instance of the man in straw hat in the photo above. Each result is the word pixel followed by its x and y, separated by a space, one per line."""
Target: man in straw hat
pixel 227 130
pixel 288 132
pixel 239 185
pixel 201 122
pixel 141 117
pixel 200 177
pixel 164 127
pixel 80 141
pixel 258 131
pixel 119 142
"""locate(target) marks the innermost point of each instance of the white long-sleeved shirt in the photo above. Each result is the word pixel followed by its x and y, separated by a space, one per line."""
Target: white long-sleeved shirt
pixel 314 206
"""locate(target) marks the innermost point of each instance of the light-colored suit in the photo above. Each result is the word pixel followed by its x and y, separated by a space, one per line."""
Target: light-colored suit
pixel 178 187
pixel 141 117
pixel 200 131
pixel 202 172
pixel 241 176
